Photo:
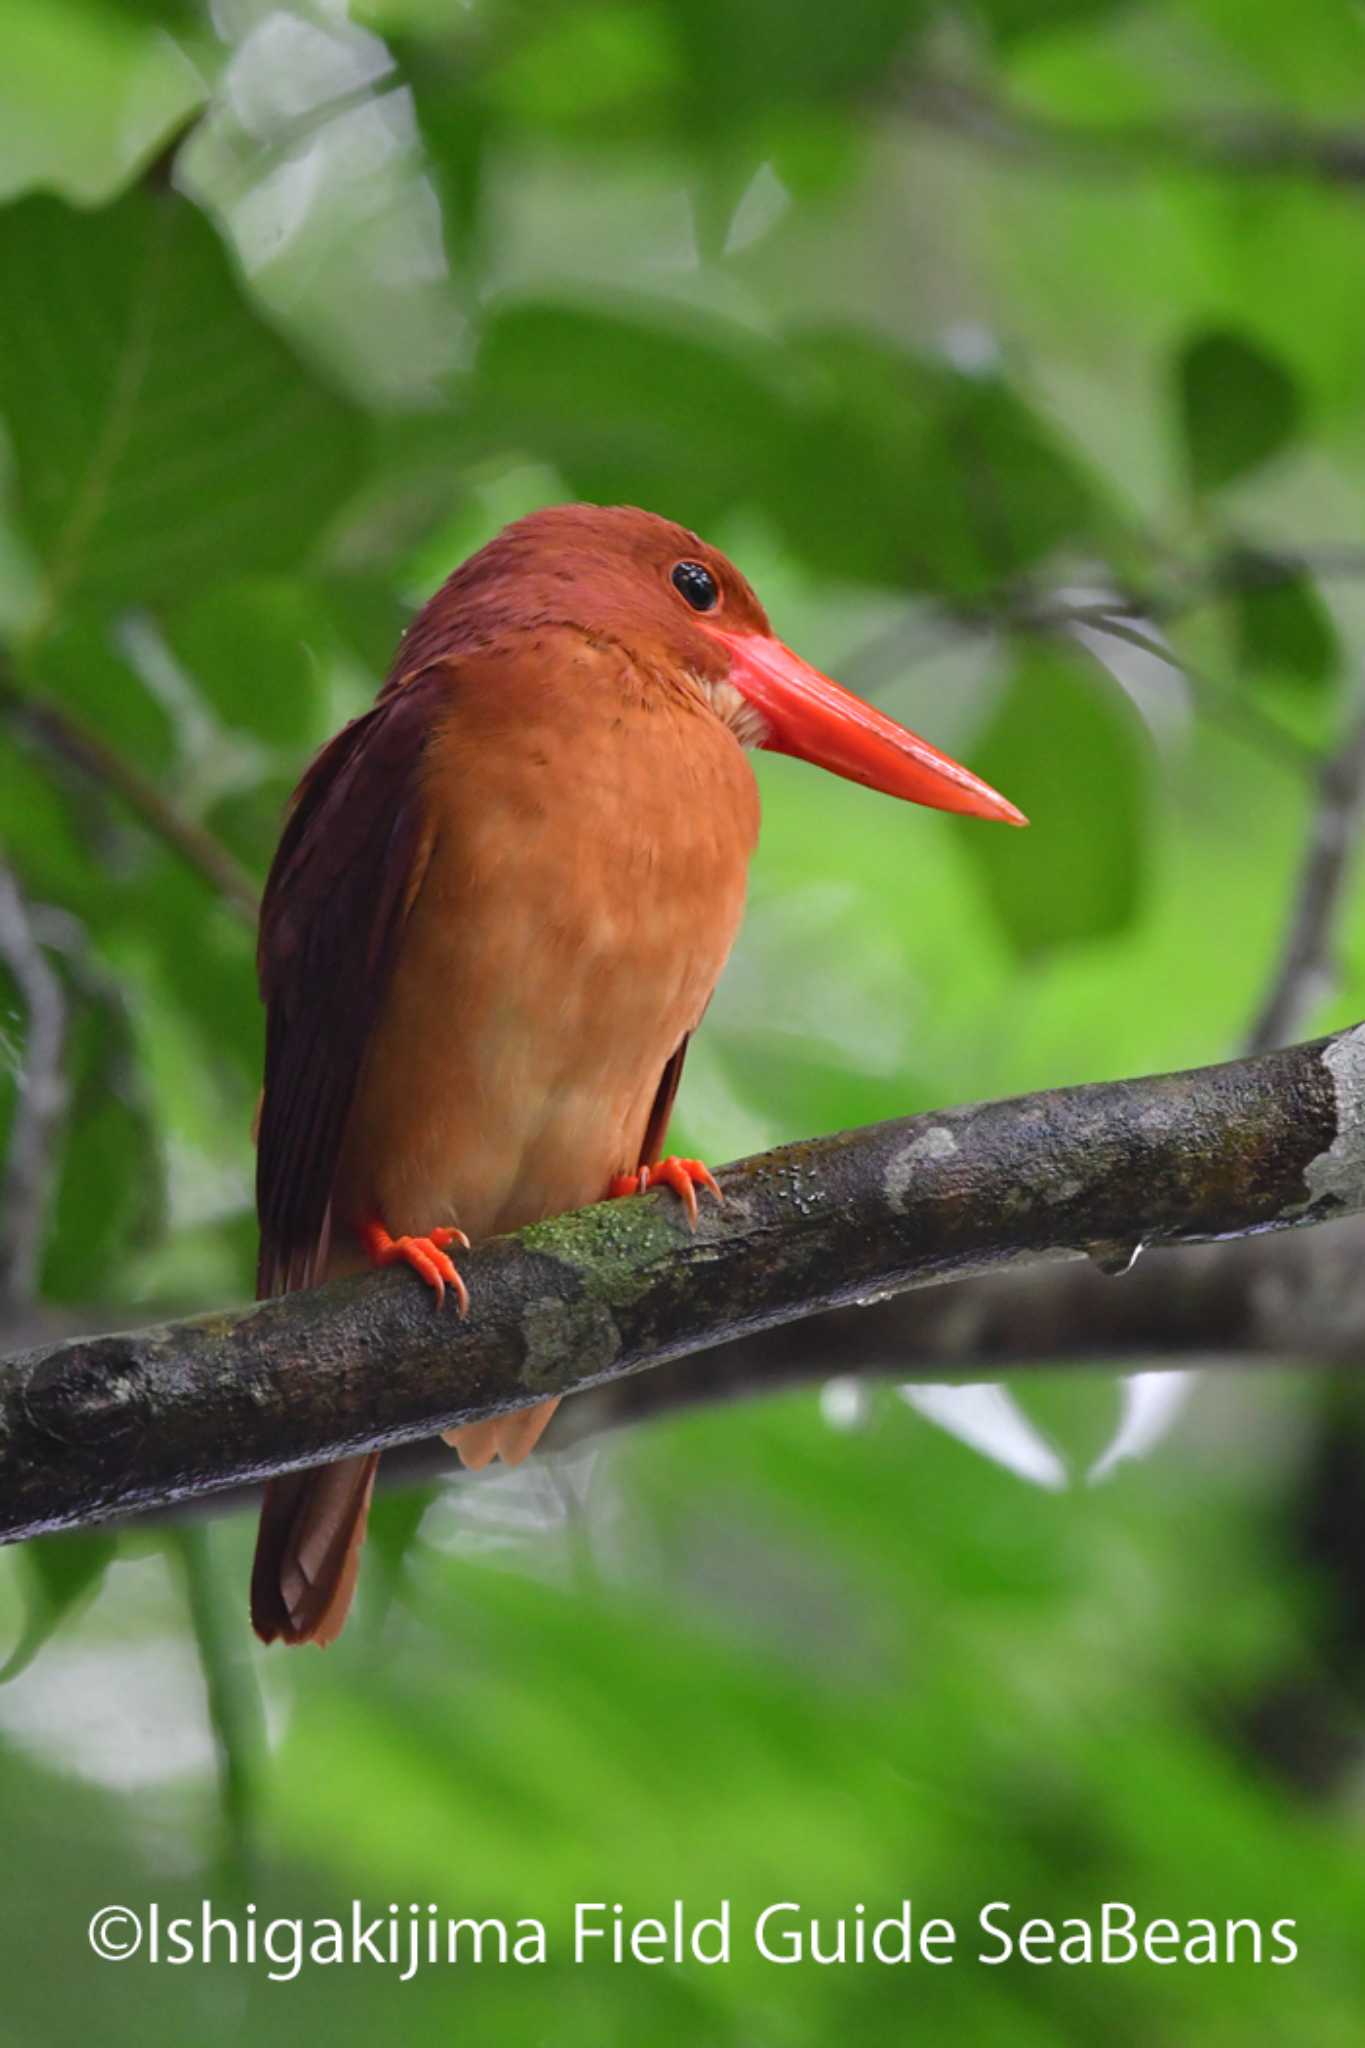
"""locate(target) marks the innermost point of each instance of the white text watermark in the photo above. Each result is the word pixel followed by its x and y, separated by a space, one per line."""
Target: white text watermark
pixel 408 1939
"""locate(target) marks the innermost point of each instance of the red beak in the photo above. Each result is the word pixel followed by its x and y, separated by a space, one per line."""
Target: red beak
pixel 819 721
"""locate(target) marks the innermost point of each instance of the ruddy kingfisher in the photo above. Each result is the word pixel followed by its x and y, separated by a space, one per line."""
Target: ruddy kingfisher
pixel 502 899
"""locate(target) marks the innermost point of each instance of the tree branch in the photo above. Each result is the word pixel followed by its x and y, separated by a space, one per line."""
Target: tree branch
pixel 40 1096
pixel 1129 614
pixel 1292 1298
pixel 1233 144
pixel 110 1424
pixel 72 741
pixel 1303 974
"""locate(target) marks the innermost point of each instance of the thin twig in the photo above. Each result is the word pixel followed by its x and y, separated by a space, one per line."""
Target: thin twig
pixel 61 733
pixel 893 649
pixel 1229 143
pixel 1304 970
pixel 40 1098
pixel 1236 712
pixel 1186 587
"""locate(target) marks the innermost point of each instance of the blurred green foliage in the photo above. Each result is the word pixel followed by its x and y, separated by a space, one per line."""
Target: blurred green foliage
pixel 960 326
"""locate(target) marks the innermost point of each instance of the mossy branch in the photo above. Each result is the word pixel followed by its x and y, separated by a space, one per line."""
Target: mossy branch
pixel 106 1425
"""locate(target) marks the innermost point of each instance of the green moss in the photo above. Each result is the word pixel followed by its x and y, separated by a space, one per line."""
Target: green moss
pixel 218 1324
pixel 612 1247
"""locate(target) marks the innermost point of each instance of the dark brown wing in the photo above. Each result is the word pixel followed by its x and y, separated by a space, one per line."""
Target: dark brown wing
pixel 656 1130
pixel 349 864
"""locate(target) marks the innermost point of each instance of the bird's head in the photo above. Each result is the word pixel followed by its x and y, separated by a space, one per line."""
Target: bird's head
pixel 683 609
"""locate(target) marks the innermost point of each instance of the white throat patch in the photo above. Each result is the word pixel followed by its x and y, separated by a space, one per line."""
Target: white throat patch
pixel 748 725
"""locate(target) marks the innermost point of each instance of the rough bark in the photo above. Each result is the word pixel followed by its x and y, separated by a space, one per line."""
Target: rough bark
pixel 105 1425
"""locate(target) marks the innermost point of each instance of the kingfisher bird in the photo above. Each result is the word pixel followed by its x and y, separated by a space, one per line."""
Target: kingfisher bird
pixel 501 901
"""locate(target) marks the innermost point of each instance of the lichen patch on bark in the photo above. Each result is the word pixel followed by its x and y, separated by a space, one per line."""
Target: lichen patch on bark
pixel 937 1142
pixel 1338 1174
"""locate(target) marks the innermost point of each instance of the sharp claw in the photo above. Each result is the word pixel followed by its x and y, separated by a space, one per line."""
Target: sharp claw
pixel 461 1291
pixel 442 1273
pixel 680 1180
pixel 446 1234
pixel 426 1268
pixel 684 1176
pixel 426 1255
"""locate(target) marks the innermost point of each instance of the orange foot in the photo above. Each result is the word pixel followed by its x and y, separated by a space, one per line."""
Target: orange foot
pixel 684 1176
pixel 426 1255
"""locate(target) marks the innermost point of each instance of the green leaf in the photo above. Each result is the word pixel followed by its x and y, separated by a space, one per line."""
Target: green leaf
pixel 164 437
pixel 580 67
pixel 205 955
pixel 904 470
pixel 458 126
pixel 1309 58
pixel 1282 627
pixel 258 650
pixel 743 62
pixel 1012 21
pixel 44 828
pixel 1067 748
pixel 249 821
pixel 110 1194
pixel 230 1686
pixel 817 151
pixel 682 416
pixel 88 92
pixel 1285 645
pixel 1238 406
pixel 81 666
pixel 876 464
pixel 368 618
pixel 773 1069
pixel 173 14
pixel 61 1573
pixel 396 1516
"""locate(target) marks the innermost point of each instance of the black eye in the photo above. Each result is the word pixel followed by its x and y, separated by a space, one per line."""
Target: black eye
pixel 697 585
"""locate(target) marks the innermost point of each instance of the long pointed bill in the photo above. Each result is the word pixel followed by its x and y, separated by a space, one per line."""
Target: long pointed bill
pixel 819 721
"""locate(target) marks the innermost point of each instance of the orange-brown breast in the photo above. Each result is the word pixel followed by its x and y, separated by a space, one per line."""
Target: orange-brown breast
pixel 589 844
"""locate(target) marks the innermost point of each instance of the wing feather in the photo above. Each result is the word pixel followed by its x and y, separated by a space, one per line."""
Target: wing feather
pixel 349 866
pixel 657 1128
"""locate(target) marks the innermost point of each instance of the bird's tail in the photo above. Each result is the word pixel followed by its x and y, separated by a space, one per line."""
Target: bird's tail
pixel 308 1551
pixel 510 1437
